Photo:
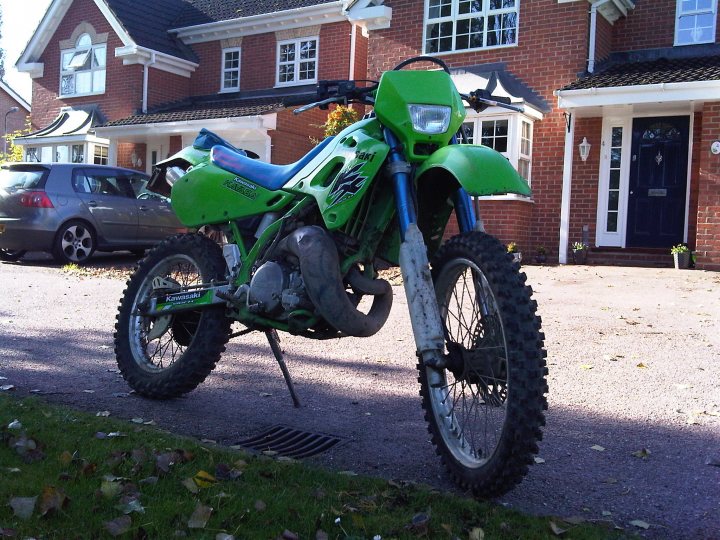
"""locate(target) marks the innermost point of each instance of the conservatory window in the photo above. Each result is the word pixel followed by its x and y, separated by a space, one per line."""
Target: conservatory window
pixel 695 21
pixel 459 25
pixel 82 70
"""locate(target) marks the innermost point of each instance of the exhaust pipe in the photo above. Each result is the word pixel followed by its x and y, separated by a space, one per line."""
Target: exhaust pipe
pixel 320 267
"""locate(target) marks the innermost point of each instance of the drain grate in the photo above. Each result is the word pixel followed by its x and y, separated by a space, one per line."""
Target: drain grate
pixel 291 442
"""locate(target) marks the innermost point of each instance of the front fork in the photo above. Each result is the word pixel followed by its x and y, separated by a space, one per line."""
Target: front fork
pixel 419 290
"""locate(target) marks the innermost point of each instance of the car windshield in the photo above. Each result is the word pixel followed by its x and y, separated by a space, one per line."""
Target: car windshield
pixel 16 178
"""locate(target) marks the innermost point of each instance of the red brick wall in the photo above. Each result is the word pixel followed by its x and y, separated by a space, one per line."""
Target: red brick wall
pixel 552 49
pixel 125 152
pixel 603 39
pixel 15 121
pixel 510 221
pixel 164 87
pixel 695 178
pixel 206 78
pixel 334 51
pixel 123 84
pixel 291 139
pixel 257 66
pixel 175 144
pixel 650 25
pixel 584 193
pixel 708 217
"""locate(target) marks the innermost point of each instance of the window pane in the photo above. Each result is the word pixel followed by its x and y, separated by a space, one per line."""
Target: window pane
pixel 61 154
pixel 470 131
pixel 439 8
pixel 66 57
pixel 99 57
pixel 307 70
pixel 612 222
pixel 308 49
pixel 615 154
pixel 524 168
pixel 613 199
pixel 616 136
pixel 78 153
pixel 287 52
pixel 287 73
pixel 83 41
pixel 98 81
pixel 615 179
pixel 67 85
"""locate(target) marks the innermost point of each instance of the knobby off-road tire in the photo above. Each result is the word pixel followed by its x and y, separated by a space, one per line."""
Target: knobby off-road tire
pixel 485 410
pixel 165 357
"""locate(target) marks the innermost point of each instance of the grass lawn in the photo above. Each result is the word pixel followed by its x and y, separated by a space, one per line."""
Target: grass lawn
pixel 66 474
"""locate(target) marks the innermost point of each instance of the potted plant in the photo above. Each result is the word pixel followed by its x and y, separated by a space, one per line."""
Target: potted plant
pixel 541 255
pixel 681 256
pixel 579 252
pixel 513 249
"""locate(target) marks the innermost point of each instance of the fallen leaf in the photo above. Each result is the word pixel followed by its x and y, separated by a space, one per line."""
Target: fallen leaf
pixel 52 499
pixel 574 520
pixel 102 413
pixel 66 458
pixel 204 479
pixel 606 513
pixel 23 507
pixel 539 460
pixel 88 391
pixel 15 424
pixel 419 524
pixel 137 420
pixel 129 506
pixel 643 453
pixel 270 453
pixel 224 472
pixel 265 394
pixel 7 387
pixel 476 534
pixel 598 448
pixel 110 489
pixel 642 366
pixel 639 523
pixel 557 531
pixel 118 526
pixel 200 516
pixel 190 485
pixel 586 366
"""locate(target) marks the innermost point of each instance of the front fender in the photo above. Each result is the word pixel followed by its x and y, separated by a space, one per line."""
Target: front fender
pixel 478 169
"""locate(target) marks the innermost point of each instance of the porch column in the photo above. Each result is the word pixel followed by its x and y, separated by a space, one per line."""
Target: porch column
pixel 113 152
pixel 566 185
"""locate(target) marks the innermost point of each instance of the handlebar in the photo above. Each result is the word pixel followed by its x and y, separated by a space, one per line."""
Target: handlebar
pixel 482 99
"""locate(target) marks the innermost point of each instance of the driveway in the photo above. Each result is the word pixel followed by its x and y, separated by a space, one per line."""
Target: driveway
pixel 633 431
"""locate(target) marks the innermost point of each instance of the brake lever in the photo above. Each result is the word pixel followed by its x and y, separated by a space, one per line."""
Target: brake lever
pixel 473 100
pixel 320 104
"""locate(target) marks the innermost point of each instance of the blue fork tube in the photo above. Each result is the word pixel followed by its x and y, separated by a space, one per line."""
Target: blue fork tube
pixel 401 184
pixel 463 205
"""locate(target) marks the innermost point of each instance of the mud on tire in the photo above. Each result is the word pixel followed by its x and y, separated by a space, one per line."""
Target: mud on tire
pixel 165 357
pixel 485 409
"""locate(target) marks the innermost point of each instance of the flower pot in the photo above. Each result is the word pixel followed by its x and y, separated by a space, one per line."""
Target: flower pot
pixel 517 255
pixel 580 256
pixel 682 260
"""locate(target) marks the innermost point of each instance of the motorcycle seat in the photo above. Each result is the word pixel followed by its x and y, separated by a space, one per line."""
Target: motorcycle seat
pixel 267 175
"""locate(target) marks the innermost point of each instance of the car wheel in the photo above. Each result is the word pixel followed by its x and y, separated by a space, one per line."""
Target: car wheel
pixel 74 242
pixel 11 255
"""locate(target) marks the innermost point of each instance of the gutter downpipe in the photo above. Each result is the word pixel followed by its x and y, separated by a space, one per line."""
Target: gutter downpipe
pixel 353 44
pixel 146 77
pixel 566 190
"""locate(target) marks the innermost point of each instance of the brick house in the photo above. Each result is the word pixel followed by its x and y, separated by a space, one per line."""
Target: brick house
pixel 129 83
pixel 639 80
pixel 14 110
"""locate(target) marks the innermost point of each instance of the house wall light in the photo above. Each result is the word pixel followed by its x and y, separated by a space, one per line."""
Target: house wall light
pixel 584 148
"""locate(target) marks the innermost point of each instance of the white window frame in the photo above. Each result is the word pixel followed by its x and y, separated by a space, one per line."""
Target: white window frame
pixel 297 61
pixel 99 71
pixel 224 70
pixel 455 16
pixel 712 11
pixel 515 121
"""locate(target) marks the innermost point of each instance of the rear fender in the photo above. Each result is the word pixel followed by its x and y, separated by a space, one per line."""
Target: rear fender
pixel 477 169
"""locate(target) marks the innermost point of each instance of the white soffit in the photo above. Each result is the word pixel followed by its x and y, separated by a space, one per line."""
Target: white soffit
pixel 261 24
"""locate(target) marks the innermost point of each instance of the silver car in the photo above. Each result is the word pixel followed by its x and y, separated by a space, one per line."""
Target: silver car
pixel 72 209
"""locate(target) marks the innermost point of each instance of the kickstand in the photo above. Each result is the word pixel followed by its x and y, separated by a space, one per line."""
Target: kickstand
pixel 274 341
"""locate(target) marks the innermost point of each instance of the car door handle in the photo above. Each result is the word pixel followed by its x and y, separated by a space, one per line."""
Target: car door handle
pixel 143 208
pixel 92 203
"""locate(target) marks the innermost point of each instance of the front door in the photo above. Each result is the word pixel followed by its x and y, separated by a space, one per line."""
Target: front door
pixel 658 181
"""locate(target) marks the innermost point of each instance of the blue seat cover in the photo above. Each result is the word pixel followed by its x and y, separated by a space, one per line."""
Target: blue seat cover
pixel 267 175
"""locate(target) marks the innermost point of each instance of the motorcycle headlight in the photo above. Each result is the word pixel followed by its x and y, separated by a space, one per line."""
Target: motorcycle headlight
pixel 430 119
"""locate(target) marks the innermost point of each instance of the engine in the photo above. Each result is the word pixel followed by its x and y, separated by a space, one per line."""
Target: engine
pixel 276 289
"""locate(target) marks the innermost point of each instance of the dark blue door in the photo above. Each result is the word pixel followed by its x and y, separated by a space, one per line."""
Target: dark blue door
pixel 658 181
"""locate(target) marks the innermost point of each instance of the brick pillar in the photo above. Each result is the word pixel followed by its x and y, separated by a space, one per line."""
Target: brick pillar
pixel 708 215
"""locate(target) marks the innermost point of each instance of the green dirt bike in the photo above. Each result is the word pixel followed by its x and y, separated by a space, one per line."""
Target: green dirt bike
pixel 302 245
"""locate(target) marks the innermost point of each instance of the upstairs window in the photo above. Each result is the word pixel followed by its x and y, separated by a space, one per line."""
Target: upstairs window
pixel 459 25
pixel 230 70
pixel 695 21
pixel 297 61
pixel 82 69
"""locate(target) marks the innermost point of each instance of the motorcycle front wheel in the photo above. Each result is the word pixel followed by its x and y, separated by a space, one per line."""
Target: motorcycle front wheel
pixel 166 356
pixel 484 408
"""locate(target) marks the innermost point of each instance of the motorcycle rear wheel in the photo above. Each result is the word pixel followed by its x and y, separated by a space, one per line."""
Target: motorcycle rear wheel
pixel 485 408
pixel 165 357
